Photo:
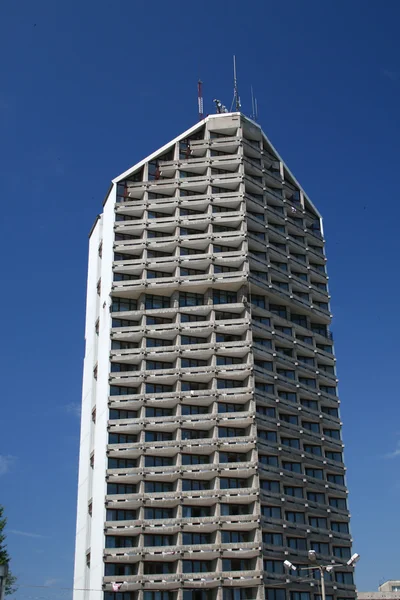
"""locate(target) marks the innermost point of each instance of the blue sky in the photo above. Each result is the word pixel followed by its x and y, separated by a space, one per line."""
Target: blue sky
pixel 88 89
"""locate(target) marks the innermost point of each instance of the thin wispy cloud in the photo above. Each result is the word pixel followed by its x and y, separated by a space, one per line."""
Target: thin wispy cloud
pixel 6 462
pixel 73 408
pixel 50 582
pixel 395 453
pixel 26 533
pixel 391 74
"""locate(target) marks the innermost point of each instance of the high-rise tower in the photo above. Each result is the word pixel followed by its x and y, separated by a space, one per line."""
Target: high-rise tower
pixel 210 443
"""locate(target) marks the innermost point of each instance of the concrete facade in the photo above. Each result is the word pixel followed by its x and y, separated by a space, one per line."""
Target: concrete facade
pixel 211 438
pixel 390 590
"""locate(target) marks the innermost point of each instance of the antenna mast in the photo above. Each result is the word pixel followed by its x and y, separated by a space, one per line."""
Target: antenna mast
pixel 236 97
pixel 200 99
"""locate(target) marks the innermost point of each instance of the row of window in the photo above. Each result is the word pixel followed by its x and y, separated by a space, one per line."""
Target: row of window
pixel 196 511
pixel 228 593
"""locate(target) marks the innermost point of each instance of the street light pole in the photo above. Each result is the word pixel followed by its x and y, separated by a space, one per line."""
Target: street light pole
pixel 322 571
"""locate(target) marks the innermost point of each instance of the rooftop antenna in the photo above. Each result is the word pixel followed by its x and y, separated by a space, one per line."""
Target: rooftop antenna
pixel 254 107
pixel 236 97
pixel 200 99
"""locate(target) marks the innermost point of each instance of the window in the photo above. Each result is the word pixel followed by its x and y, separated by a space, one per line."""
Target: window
pixel 331 411
pixel 275 594
pixel 263 320
pixel 289 374
pixel 190 318
pixel 270 486
pixel 194 434
pixel 224 337
pixel 271 512
pixel 196 511
pixel 231 432
pixel 259 301
pixel 122 414
pixel 230 407
pixel 155 365
pixel 308 381
pixel 196 538
pixel 313 404
pixel 270 436
pixel 274 539
pixel 320 547
pixel 158 461
pixel 155 568
pixel 152 411
pixel 232 457
pixel 196 566
pixel 224 297
pixel 278 310
pixel 295 517
pixel 263 364
pixel 236 564
pixel 229 383
pixel 333 433
pixel 271 461
pixel 196 594
pixel 227 483
pixel 158 513
pixel 274 566
pixel 290 490
pixel 233 593
pixel 158 436
pixel 306 360
pixel 123 304
pixel 151 320
pixel 157 274
pixel 291 442
pixel 120 515
pixel 120 541
pixel 158 388
pixel 290 396
pixel 151 595
pixel 306 339
pixel 342 552
pixel 295 467
pixel 264 387
pixel 316 473
pixel 157 302
pixel 328 389
pixel 235 509
pixel 121 488
pixel 229 360
pixel 158 540
pixel 189 485
pixel 297 543
pixel 336 479
pixel 122 463
pixel 292 419
pixel 340 503
pixel 190 299
pixel 192 362
pixel 285 330
pixel 319 522
pixel 316 450
pixel 266 411
pixel 344 577
pixel 187 386
pixel 189 409
pixel 310 426
pixel 234 537
pixel 263 342
pixel 151 487
pixel 122 438
pixel 195 459
pixel 118 569
pixel 187 272
pixel 190 339
pixel 316 497
pixel 300 596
